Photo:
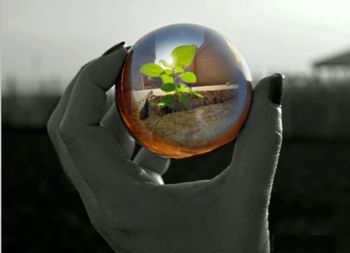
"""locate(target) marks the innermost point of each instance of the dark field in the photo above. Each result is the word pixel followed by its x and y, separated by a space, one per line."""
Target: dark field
pixel 310 205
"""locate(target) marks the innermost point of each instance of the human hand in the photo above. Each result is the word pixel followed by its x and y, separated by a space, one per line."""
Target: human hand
pixel 127 201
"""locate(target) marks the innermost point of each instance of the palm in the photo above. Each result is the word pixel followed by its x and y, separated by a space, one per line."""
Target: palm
pixel 189 217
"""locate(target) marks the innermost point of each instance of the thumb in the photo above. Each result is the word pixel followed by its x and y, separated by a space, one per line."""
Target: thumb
pixel 250 174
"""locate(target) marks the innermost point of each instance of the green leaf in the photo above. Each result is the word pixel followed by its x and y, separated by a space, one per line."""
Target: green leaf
pixel 188 77
pixel 165 63
pixel 168 99
pixel 168 87
pixel 184 55
pixel 178 69
pixel 167 79
pixel 196 94
pixel 151 69
pixel 169 72
pixel 182 88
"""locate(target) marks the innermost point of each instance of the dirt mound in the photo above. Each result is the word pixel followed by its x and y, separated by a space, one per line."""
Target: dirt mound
pixel 194 127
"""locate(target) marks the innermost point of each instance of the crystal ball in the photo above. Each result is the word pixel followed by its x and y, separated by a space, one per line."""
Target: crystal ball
pixel 184 90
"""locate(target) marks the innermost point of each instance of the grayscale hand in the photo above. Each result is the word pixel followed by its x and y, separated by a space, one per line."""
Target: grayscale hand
pixel 126 199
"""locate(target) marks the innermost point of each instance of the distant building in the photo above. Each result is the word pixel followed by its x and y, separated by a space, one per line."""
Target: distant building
pixel 336 66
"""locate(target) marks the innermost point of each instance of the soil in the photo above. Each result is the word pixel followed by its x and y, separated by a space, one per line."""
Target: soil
pixel 195 127
pixel 198 125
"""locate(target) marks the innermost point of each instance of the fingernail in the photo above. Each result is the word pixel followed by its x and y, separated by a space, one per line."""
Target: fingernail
pixel 276 89
pixel 113 48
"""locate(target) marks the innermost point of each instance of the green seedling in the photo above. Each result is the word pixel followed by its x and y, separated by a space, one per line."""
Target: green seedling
pixel 175 78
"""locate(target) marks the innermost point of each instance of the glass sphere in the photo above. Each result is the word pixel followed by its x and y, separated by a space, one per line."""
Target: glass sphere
pixel 184 90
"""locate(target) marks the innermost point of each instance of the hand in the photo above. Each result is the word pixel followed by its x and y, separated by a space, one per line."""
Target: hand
pixel 127 201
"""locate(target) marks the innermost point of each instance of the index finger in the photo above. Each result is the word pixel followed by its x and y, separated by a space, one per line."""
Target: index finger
pixel 93 148
pixel 88 98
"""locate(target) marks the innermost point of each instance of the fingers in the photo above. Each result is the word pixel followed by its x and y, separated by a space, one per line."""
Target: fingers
pixel 144 158
pixel 152 164
pixel 151 161
pixel 88 98
pixel 113 122
pixel 93 148
pixel 72 172
pixel 58 112
pixel 256 153
pixel 92 159
pixel 53 126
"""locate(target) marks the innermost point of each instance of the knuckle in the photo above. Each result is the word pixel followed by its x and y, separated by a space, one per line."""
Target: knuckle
pixel 63 130
pixel 67 129
pixel 50 127
pixel 96 221
pixel 72 133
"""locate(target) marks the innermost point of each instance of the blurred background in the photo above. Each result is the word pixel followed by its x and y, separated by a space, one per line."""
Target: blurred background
pixel 44 43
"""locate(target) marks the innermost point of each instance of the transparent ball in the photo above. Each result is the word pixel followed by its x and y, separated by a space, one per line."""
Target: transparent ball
pixel 184 90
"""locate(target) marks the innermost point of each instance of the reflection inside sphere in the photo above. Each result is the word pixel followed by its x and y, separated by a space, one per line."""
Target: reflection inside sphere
pixel 184 90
